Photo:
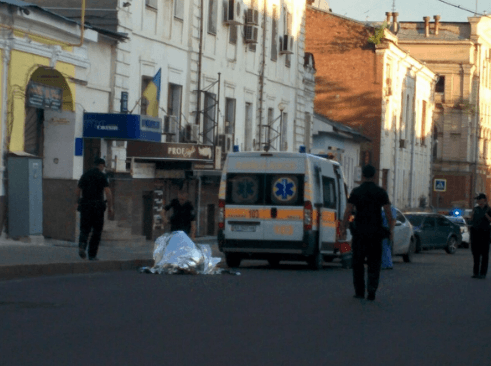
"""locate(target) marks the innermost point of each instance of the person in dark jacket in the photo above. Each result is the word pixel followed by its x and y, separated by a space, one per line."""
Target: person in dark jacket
pixel 480 231
pixel 368 200
pixel 182 215
pixel 92 186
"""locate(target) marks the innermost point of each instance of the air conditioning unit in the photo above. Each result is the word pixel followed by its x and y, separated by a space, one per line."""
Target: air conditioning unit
pixel 251 34
pixel 195 130
pixel 226 142
pixel 252 16
pixel 286 45
pixel 171 129
pixel 403 143
pixel 231 12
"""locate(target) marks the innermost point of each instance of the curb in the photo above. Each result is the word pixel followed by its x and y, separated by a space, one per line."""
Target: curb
pixel 10 272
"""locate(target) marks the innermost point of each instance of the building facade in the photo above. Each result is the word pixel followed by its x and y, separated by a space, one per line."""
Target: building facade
pixel 459 52
pixel 366 81
pixel 231 73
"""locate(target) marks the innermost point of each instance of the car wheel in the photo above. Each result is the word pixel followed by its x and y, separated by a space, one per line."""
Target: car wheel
pixel 274 262
pixel 418 248
pixel 408 257
pixel 451 247
pixel 315 260
pixel 232 259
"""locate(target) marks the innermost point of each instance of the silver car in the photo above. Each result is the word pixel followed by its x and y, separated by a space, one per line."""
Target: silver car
pixel 404 241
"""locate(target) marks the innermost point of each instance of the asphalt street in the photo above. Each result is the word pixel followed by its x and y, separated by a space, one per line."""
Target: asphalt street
pixel 429 312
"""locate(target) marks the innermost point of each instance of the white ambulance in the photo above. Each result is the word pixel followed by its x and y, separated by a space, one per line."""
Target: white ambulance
pixel 282 206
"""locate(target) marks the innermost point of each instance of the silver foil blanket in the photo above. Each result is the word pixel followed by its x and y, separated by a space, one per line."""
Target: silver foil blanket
pixel 176 253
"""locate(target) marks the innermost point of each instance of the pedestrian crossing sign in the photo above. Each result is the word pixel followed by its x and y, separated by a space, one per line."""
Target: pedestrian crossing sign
pixel 440 185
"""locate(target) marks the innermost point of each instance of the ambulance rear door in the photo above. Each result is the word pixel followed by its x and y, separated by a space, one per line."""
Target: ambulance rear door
pixel 329 207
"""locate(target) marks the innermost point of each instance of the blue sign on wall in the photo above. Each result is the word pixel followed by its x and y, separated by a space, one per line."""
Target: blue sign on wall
pixel 122 126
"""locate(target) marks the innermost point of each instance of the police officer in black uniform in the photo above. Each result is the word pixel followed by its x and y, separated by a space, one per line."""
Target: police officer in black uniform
pixel 92 185
pixel 480 231
pixel 367 200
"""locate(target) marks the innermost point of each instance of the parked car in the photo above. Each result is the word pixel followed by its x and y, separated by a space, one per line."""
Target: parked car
pixel 464 229
pixel 434 231
pixel 404 240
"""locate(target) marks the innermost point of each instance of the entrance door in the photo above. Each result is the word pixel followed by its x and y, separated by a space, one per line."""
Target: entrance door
pixel 92 150
pixel 34 133
pixel 327 229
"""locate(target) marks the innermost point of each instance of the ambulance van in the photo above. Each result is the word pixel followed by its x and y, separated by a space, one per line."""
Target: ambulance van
pixel 282 206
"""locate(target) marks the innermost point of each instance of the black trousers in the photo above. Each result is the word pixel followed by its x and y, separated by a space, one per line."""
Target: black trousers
pixel 480 251
pixel 91 219
pixel 367 246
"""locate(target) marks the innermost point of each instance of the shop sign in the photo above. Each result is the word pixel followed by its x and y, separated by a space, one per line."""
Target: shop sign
pixel 203 166
pixel 186 151
pixel 44 96
pixel 166 150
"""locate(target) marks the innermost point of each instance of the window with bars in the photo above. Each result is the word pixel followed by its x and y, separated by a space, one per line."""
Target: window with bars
pixel 274 35
pixel 212 16
pixel 179 9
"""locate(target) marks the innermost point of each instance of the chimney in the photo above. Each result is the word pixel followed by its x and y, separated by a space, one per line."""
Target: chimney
pixel 388 15
pixel 395 26
pixel 427 26
pixel 437 23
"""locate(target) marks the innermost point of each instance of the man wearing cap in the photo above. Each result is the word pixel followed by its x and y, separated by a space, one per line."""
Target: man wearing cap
pixel 92 186
pixel 480 231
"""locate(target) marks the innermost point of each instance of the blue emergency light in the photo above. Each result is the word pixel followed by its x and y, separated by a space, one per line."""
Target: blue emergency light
pixel 456 212
pixel 302 149
pixel 236 148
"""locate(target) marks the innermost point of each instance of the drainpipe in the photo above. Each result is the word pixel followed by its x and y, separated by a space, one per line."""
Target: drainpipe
pixel 200 60
pixel 261 78
pixel 427 26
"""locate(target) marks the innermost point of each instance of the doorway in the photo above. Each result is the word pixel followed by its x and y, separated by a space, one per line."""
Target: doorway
pixel 210 220
pixel 92 150
pixel 34 131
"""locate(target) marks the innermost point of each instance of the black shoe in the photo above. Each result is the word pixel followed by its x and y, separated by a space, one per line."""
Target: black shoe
pixel 93 259
pixel 482 277
pixel 371 296
pixel 359 296
pixel 81 253
pixel 475 276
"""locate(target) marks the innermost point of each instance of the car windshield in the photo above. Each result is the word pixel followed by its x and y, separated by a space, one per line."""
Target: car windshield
pixel 457 220
pixel 415 220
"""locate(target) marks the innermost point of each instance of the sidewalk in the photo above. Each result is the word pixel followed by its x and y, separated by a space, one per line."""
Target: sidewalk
pixel 38 256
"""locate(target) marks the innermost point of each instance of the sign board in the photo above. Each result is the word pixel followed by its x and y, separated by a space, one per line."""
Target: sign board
pixel 203 166
pixel 44 96
pixel 170 174
pixel 122 126
pixel 166 150
pixel 143 170
pixel 440 185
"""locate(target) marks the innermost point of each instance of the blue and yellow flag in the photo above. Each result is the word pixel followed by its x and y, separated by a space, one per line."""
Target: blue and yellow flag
pixel 152 93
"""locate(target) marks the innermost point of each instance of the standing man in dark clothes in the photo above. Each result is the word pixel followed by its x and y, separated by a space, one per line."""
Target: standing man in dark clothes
pixel 368 200
pixel 92 185
pixel 182 216
pixel 480 231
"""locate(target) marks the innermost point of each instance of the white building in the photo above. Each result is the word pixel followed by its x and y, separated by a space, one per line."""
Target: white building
pixel 233 72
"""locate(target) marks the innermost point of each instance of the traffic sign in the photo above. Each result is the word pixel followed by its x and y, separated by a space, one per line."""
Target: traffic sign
pixel 440 185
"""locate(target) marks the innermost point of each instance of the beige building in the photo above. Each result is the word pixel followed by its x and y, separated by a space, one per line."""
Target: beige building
pixel 460 53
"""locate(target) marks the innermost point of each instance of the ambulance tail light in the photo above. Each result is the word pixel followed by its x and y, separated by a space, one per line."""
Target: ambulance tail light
pixel 221 214
pixel 307 216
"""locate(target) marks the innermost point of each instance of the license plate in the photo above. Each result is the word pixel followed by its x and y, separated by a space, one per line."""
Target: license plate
pixel 244 228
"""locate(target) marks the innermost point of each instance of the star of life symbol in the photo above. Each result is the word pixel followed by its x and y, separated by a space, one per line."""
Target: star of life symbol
pixel 284 189
pixel 245 188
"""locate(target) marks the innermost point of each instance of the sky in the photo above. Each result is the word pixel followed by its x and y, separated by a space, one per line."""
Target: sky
pixel 409 10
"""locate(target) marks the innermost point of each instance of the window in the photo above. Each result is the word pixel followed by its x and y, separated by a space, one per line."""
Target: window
pixel 442 221
pixel 274 36
pixel 151 3
pixel 179 9
pixel 265 189
pixel 329 192
pixel 429 223
pixel 440 85
pixel 284 132
pixel 209 122
pixel 174 103
pixel 212 16
pixel 248 127
pixel 423 122
pixel 400 217
pixel 233 34
pixel 144 102
pixel 229 115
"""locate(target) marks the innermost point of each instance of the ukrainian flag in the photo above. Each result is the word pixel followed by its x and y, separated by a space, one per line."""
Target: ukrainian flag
pixel 152 93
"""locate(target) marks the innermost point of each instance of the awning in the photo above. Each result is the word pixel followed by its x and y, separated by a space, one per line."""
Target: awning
pixel 122 126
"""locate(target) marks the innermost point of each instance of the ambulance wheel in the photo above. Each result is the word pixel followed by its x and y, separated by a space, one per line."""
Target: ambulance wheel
pixel 315 261
pixel 232 259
